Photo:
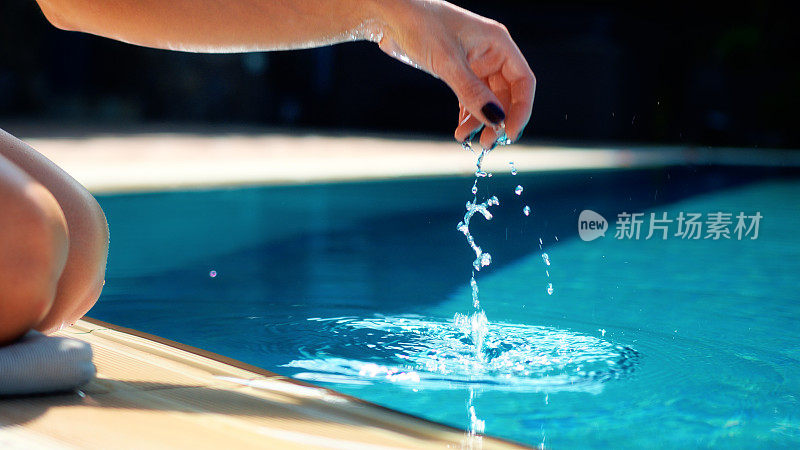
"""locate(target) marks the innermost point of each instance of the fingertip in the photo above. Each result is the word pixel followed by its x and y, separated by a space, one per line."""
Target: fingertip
pixel 488 139
pixel 463 134
pixel 513 137
pixel 513 133
pixel 518 121
pixel 517 137
pixel 468 128
pixel 493 113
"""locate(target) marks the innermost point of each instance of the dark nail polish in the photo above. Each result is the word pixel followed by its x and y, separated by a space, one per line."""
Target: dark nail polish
pixel 493 112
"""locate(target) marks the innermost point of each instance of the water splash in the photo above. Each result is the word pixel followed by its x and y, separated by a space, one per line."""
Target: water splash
pixel 436 354
pixel 466 351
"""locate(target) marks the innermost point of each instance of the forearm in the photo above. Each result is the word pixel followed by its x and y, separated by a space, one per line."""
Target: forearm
pixel 474 55
pixel 222 26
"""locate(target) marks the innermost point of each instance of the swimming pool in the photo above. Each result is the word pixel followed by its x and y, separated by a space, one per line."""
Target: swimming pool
pixel 331 282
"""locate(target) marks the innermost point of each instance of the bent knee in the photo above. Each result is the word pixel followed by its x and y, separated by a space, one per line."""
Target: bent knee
pixel 33 251
pixel 84 274
pixel 91 238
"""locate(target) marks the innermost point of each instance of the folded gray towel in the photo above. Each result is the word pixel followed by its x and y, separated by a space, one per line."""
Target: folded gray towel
pixel 38 364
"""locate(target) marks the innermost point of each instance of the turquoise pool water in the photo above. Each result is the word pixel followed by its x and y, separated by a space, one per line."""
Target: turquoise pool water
pixel 648 343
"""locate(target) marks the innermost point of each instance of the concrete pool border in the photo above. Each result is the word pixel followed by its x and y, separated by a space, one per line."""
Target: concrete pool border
pixel 155 393
pixel 158 161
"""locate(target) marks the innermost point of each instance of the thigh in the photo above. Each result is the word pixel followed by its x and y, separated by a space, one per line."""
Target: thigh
pixel 82 278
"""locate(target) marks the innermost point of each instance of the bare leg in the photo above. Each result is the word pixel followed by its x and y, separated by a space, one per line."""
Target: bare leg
pixel 81 279
pixel 33 251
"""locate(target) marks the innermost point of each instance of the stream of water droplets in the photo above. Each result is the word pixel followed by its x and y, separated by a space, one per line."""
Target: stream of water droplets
pixel 476 322
pixel 467 350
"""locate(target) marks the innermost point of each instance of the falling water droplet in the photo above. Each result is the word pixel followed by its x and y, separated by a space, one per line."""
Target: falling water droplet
pixel 546 258
pixel 518 190
pixel 475 301
pixel 486 259
pixel 474 189
pixel 526 210
pixel 549 288
pixel 513 168
pixel 212 274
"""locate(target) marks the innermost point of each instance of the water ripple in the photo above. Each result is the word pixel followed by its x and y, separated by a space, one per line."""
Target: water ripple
pixel 440 354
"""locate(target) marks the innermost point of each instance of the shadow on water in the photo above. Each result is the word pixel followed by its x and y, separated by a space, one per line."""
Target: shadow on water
pixel 285 254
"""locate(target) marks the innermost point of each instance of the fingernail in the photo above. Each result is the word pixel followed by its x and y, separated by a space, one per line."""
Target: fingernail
pixel 493 113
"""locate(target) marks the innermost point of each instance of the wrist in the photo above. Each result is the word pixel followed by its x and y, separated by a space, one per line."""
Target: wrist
pixel 385 17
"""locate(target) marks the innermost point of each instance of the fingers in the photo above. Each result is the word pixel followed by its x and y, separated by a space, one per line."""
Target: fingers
pixel 522 87
pixel 504 70
pixel 503 57
pixel 467 125
pixel 474 94
pixel 500 87
pixel 520 108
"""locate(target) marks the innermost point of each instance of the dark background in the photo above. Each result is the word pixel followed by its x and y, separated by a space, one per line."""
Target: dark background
pixel 683 73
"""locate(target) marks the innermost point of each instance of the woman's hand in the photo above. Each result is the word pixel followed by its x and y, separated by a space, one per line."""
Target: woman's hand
pixel 474 55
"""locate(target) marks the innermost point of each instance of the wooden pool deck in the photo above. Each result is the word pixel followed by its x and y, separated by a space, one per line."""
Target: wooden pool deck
pixel 152 393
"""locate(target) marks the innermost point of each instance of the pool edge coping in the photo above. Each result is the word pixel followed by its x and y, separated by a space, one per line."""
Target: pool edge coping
pixel 226 360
